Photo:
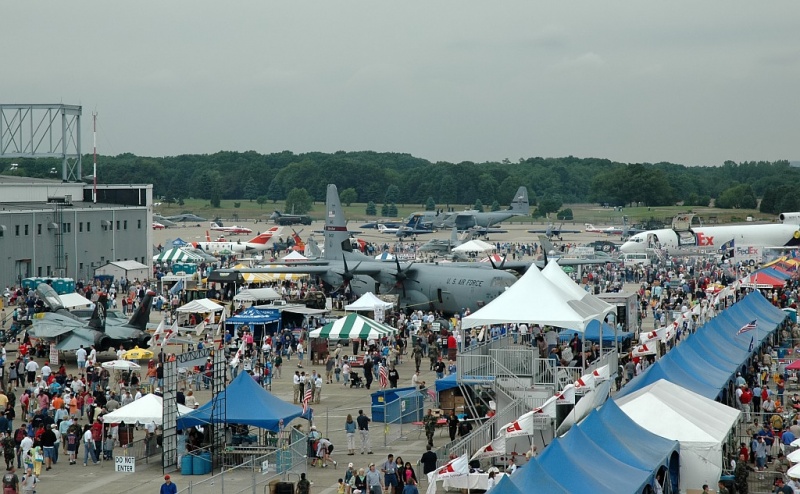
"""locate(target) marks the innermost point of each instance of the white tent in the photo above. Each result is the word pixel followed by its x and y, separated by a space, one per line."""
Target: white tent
pixel 148 408
pixel 474 246
pixel 368 302
pixel 699 424
pixel 254 294
pixel 558 277
pixel 73 300
pixel 294 256
pixel 202 305
pixel 532 299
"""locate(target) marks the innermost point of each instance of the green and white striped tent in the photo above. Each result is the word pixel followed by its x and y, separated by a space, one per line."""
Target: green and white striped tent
pixel 177 255
pixel 353 326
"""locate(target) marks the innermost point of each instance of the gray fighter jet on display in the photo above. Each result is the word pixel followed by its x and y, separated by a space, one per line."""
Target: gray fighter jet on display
pixel 185 218
pixel 69 331
pixel 448 288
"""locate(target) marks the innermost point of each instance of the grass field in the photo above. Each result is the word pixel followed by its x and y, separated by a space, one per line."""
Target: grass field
pixel 583 213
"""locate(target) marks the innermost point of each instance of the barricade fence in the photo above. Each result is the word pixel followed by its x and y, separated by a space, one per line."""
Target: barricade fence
pixel 255 472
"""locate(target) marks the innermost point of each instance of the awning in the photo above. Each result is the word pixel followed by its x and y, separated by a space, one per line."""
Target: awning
pixel 177 255
pixel 353 326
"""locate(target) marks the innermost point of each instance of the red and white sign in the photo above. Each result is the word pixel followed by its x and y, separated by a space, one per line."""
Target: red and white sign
pixel 456 468
pixel 586 381
pixel 495 448
pixel 566 396
pixel 523 426
pixel 601 373
pixel 548 409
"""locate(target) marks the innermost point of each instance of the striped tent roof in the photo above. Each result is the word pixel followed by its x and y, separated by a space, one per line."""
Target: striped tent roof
pixel 177 255
pixel 352 326
pixel 268 277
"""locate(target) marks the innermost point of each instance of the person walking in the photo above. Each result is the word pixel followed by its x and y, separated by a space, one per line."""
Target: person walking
pixel 168 487
pixel 363 429
pixel 88 446
pixel 28 482
pixel 374 485
pixel 428 461
pixel 303 485
pixel 350 430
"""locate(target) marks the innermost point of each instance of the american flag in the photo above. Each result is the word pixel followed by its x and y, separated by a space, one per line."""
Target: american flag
pixel 747 327
pixel 384 376
pixel 306 400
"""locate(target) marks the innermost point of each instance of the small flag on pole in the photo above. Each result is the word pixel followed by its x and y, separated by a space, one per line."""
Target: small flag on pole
pixel 747 327
pixel 384 376
pixel 752 343
pixel 306 399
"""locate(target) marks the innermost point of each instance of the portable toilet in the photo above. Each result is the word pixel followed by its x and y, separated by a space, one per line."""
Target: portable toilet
pixel 60 286
pixel 792 314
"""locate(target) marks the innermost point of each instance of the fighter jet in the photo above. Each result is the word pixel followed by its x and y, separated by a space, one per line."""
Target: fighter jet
pixel 185 218
pixel 69 331
pixel 443 246
pixel 483 222
pixel 448 288
pixel 554 231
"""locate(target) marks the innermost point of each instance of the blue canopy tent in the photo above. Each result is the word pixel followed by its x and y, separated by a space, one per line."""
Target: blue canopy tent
pixel 593 334
pixel 606 453
pixel 245 403
pixel 545 483
pixel 450 382
pixel 257 320
pixel 775 273
pixel 708 360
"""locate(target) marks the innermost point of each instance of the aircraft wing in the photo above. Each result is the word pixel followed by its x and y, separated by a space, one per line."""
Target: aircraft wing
pixel 49 326
pixel 120 331
pixel 75 340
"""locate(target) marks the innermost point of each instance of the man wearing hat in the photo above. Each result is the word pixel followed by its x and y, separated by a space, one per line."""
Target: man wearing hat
pixel 780 488
pixel 168 487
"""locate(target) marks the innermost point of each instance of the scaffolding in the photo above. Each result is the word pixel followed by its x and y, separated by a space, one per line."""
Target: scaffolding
pixel 169 459
pixel 219 412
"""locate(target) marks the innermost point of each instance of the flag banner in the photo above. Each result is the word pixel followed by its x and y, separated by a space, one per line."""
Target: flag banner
pixel 653 335
pixel 523 426
pixel 643 350
pixel 585 382
pixel 170 333
pixel 748 327
pixel 156 338
pixel 307 400
pixel 237 357
pixel 566 396
pixel 200 328
pixel 455 468
pixel 601 373
pixel 495 448
pixel 384 376
pixel 548 409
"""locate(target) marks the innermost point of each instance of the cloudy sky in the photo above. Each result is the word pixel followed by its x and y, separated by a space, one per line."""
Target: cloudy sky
pixel 687 82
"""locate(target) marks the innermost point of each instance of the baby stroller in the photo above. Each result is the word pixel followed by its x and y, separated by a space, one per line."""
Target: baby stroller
pixel 356 381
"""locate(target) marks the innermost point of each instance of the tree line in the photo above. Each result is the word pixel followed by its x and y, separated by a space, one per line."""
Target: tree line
pixel 386 178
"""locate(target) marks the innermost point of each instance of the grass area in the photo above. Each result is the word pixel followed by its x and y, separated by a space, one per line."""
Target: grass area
pixel 583 213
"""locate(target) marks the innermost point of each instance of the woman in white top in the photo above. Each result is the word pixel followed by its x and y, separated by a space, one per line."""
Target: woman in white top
pixel 490 482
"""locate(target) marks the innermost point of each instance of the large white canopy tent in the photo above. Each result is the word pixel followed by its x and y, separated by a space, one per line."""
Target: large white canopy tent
pixel 256 294
pixel 202 305
pixel 533 298
pixel 475 245
pixel 558 277
pixel 148 408
pixel 368 302
pixel 700 425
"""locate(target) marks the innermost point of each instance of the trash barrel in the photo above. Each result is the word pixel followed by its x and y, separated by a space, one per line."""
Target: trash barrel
pixel 201 463
pixel 186 464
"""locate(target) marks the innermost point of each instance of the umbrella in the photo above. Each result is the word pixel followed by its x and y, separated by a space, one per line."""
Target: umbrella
pixel 794 365
pixel 794 456
pixel 121 365
pixel 568 269
pixel 137 354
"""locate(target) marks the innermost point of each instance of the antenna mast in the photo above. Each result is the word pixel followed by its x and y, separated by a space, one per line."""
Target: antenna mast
pixel 94 165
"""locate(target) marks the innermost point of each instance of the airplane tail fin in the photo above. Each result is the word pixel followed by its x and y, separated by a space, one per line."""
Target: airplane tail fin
pixel 312 249
pixel 298 242
pixel 453 237
pixel 520 203
pixel 98 319
pixel 214 224
pixel 547 246
pixel 141 317
pixel 208 236
pixel 264 237
pixel 337 239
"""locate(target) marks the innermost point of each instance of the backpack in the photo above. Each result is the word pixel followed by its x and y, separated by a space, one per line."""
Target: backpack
pixel 19 436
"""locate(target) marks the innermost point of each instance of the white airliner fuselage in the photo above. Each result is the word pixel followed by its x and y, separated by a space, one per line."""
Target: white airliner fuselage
pixel 714 237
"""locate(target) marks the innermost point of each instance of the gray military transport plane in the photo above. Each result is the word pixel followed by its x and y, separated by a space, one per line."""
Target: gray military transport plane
pixel 447 288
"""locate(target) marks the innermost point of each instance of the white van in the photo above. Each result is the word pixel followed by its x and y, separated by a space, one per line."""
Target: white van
pixel 633 259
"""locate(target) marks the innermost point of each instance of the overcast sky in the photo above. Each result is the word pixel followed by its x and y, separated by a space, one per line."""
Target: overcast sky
pixel 686 82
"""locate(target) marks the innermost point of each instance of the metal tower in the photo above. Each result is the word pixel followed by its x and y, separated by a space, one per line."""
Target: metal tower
pixel 32 131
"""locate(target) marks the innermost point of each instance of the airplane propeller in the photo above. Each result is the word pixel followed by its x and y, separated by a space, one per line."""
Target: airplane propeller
pixel 401 276
pixel 347 275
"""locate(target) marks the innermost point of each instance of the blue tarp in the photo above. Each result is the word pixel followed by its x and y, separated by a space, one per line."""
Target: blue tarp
pixel 251 315
pixel 450 382
pixel 707 360
pixel 775 273
pixel 245 403
pixel 593 333
pixel 606 453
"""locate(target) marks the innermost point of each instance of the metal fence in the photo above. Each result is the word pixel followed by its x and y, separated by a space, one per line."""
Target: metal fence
pixel 402 419
pixel 256 472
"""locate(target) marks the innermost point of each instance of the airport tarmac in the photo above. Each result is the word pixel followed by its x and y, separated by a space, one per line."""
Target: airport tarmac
pixel 330 415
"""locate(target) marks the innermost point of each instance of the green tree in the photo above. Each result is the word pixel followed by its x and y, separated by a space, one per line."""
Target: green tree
pixel 371 210
pixel 216 198
pixel 549 204
pixel 737 197
pixel 348 196
pixel 393 210
pixel 298 201
pixel 261 200
pixel 274 192
pixel 385 210
pixel 495 206
pixel 478 206
pixel 250 189
pixel 565 214
pixel 430 204
pixel 392 194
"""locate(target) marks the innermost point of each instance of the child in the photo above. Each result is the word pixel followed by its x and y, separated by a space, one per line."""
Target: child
pixel 340 487
pixel 108 447
pixel 38 459
pixel 72 447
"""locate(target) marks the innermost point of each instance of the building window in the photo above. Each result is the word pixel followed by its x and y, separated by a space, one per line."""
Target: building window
pixel 80 266
pixel 38 229
pixel 49 272
pixel 88 226
pixel 80 227
pixel 39 271
pixel 63 228
pixel 125 224
pixel 117 225
pixel 26 230
pixel 139 224
pixel 16 230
